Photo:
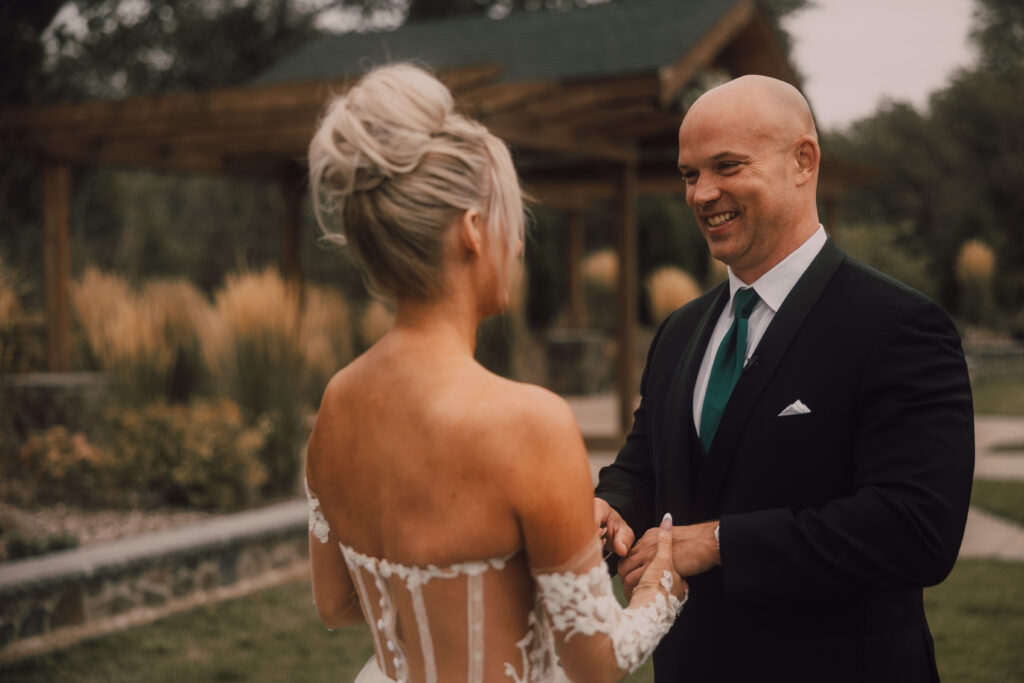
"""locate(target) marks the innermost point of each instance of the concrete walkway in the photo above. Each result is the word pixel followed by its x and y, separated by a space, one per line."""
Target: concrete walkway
pixel 986 535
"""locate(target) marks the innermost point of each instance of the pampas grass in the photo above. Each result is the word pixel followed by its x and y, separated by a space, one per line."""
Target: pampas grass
pixel 20 346
pixel 124 336
pixel 975 272
pixel 669 288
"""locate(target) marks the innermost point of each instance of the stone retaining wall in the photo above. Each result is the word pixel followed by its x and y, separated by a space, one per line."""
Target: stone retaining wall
pixel 56 600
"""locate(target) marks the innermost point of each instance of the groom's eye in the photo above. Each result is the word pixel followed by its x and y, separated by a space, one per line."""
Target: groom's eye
pixel 690 177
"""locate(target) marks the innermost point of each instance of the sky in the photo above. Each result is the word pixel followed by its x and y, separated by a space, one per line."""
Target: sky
pixel 853 54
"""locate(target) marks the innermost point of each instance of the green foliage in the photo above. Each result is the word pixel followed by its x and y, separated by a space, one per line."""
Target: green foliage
pixel 954 172
pixel 545 254
pixel 20 325
pixel 18 546
pixel 890 249
pixel 56 465
pixel 203 455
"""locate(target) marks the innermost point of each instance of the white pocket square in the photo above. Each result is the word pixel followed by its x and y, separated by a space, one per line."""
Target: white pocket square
pixel 795 408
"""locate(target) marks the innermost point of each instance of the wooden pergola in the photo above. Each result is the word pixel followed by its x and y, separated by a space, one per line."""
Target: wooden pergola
pixel 597 131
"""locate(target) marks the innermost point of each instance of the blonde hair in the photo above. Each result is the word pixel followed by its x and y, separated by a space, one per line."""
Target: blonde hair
pixel 393 165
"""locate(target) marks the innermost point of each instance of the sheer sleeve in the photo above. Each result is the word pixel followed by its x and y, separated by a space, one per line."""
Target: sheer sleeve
pixel 596 638
pixel 318 526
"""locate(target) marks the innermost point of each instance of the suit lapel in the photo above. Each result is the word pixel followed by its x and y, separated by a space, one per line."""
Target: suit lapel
pixel 752 382
pixel 679 430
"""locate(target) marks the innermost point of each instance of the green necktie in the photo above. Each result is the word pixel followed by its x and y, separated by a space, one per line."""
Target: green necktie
pixel 727 366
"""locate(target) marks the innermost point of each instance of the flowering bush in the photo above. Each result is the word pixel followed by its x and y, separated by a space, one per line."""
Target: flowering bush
pixel 202 454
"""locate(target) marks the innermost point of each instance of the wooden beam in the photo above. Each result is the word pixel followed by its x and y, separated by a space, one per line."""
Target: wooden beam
pixel 57 264
pixel 625 239
pixel 561 140
pixel 227 103
pixel 700 56
pixel 574 255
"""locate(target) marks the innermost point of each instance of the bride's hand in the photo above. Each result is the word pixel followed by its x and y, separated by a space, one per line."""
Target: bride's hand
pixel 660 568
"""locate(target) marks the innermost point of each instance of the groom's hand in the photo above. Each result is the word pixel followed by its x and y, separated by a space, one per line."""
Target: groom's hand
pixel 694 551
pixel 616 536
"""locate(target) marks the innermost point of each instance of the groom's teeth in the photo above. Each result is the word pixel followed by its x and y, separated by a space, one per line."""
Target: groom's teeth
pixel 719 219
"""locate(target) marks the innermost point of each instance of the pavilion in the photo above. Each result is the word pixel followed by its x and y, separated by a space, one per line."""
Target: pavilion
pixel 590 100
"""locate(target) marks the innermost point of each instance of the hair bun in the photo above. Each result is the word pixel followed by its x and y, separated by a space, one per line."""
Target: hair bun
pixel 383 125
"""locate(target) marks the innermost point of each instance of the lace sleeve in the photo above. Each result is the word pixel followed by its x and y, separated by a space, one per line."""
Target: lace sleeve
pixel 317 523
pixel 593 632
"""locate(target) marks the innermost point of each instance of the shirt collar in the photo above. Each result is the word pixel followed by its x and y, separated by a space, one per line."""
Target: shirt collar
pixel 774 286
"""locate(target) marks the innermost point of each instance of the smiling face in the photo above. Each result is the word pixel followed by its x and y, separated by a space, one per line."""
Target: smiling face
pixel 746 162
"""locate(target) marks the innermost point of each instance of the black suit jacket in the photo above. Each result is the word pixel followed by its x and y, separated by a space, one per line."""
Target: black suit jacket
pixel 832 522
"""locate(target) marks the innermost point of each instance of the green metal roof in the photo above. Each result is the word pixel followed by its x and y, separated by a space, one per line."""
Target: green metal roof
pixel 619 38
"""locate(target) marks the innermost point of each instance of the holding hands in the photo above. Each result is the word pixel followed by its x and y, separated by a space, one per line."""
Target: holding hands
pixel 694 548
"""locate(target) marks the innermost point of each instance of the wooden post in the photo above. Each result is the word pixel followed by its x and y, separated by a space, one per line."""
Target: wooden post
pixel 626 245
pixel 57 262
pixel 574 254
pixel 291 253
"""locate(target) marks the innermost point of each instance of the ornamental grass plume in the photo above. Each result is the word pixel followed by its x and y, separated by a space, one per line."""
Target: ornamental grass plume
pixel 20 346
pixel 976 262
pixel 669 288
pixel 185 315
pixel 124 336
pixel 601 268
pixel 253 348
pixel 975 273
pixel 600 271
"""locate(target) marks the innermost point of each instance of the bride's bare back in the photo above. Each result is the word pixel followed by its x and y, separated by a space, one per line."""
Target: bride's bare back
pixel 425 459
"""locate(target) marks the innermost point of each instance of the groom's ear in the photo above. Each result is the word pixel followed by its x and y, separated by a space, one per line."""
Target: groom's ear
pixel 470 228
pixel 807 156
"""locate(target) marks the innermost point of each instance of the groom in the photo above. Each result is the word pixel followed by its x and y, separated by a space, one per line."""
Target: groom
pixel 808 423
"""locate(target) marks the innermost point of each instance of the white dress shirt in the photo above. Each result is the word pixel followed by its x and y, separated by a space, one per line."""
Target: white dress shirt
pixel 773 287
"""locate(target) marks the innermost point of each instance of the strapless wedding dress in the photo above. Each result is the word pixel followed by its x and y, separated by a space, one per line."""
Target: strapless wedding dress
pixel 431 624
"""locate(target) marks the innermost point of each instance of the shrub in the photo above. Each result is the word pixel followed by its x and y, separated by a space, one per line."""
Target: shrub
pixel 253 349
pixel 202 454
pixel 668 288
pixel 58 465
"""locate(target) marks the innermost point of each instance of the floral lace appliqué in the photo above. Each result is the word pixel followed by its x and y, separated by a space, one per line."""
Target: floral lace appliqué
pixel 317 523
pixel 585 604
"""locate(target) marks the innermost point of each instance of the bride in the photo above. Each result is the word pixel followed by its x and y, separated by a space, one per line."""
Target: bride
pixel 451 509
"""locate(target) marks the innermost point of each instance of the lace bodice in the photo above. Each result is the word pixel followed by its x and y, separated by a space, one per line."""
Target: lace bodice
pixel 471 620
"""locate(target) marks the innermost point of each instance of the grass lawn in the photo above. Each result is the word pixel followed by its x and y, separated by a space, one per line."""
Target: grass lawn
pixel 999 395
pixel 1003 498
pixel 976 616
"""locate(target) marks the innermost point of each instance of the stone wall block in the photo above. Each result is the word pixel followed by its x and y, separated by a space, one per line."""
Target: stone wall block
pixel 69 610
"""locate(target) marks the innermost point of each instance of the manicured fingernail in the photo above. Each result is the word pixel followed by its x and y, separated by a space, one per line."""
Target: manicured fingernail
pixel 667 519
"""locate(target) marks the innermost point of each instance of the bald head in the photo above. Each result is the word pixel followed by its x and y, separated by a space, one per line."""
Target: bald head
pixel 748 151
pixel 760 103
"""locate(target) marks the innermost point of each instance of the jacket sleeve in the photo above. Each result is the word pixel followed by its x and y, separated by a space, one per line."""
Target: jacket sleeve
pixel 628 483
pixel 913 459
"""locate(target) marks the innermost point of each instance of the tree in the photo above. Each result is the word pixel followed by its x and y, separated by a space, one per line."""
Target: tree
pixel 954 172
